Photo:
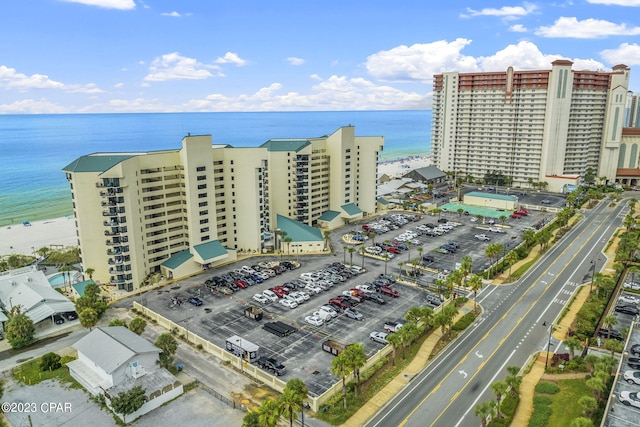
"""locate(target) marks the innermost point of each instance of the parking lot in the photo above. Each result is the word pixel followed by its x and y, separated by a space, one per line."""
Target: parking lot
pixel 627 385
pixel 221 316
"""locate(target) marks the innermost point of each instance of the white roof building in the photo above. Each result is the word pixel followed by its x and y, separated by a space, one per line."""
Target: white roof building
pixel 29 288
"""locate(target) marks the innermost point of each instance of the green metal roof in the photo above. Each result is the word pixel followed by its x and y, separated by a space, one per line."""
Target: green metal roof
pixel 351 209
pixel 297 231
pixel 383 201
pixel 492 196
pixel 178 259
pixel 210 250
pixel 80 286
pixel 285 144
pixel 96 162
pixel 328 216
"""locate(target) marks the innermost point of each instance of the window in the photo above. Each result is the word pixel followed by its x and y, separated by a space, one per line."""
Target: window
pixel 204 212
pixel 201 168
pixel 202 186
pixel 202 177
pixel 204 221
pixel 202 204
pixel 202 195
pixel 204 229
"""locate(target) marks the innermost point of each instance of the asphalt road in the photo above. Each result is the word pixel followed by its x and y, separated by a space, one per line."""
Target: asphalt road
pixel 511 328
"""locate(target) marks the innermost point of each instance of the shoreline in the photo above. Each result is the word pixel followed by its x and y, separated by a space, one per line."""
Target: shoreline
pixel 60 232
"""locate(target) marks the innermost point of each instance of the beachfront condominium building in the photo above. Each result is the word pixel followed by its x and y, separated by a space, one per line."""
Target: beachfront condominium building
pixel 530 126
pixel 192 208
pixel 632 111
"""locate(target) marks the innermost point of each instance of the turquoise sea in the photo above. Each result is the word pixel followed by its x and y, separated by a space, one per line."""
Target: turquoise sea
pixel 35 148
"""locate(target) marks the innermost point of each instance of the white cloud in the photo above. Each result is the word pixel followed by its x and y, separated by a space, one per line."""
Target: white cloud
pixel 420 61
pixel 118 85
pixel 590 28
pixel 107 4
pixel 231 58
pixel 509 12
pixel 295 61
pixel 616 2
pixel 334 93
pixel 626 53
pixel 173 66
pixel 32 106
pixel 518 28
pixel 173 14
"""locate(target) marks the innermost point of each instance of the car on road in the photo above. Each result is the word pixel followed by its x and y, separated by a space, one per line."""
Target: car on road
pixel 628 299
pixel 289 303
pixel 354 314
pixel 260 298
pixel 379 337
pixel 629 398
pixel 195 301
pixel 482 237
pixel 314 320
pixel 627 309
pixel 632 377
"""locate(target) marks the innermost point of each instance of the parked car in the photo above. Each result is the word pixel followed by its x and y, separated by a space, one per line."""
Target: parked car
pixel 354 314
pixel 627 309
pixel 329 310
pixel 71 315
pixel 496 230
pixel 546 202
pixel 434 300
pixel 314 320
pixel 58 319
pixel 375 298
pixel 270 364
pixel 635 350
pixel 260 298
pixel 195 301
pixel 311 287
pixel 634 362
pixel 428 258
pixel 628 299
pixel 482 237
pixel 613 334
pixel 339 302
pixel 289 303
pixel 392 326
pixel 515 216
pixel 632 377
pixel 379 337
pixel 386 290
pixel 270 295
pixel 629 398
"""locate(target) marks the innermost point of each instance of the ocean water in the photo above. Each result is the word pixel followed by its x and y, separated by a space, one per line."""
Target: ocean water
pixel 35 148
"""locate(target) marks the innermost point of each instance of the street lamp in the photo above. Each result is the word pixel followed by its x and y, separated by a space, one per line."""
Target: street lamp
pixel 593 274
pixel 548 346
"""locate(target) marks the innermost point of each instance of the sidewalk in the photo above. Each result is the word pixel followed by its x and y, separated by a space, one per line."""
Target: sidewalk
pixel 419 362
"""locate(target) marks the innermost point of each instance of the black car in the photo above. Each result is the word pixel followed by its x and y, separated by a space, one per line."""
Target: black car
pixel 613 334
pixel 71 315
pixel 442 220
pixel 634 362
pixel 635 350
pixel 375 298
pixel 58 319
pixel 627 309
pixel 428 258
pixel 195 301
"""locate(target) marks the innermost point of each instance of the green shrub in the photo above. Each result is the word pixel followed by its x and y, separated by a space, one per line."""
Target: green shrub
pixel 464 321
pixel 50 362
pixel 541 411
pixel 547 388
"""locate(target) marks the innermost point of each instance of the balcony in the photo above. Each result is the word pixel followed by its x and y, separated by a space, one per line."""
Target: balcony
pixel 110 223
pixel 117 261
pixel 116 281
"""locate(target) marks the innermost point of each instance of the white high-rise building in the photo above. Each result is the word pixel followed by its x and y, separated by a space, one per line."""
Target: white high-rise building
pixel 632 111
pixel 180 211
pixel 530 126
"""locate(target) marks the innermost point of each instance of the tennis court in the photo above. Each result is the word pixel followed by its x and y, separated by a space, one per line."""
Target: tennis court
pixel 475 210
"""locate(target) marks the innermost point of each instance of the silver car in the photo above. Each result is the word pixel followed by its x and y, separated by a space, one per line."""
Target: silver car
pixel 632 377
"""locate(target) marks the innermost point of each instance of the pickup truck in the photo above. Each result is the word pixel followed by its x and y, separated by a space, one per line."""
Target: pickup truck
pixel 271 364
pixel 392 326
pixel 386 290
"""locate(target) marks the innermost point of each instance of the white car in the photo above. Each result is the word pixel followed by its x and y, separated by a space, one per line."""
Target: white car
pixel 322 315
pixel 289 303
pixel 314 320
pixel 632 285
pixel 299 299
pixel 632 377
pixel 379 337
pixel 311 287
pixel 496 230
pixel 629 299
pixel 474 219
pixel 482 237
pixel 260 298
pixel 330 310
pixel 304 295
pixel 629 398
pixel 366 289
pixel 270 295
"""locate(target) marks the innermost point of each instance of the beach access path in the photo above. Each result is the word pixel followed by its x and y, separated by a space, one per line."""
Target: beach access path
pixel 26 239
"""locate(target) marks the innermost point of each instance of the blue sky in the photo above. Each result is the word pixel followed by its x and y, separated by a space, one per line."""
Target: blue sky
pixel 94 56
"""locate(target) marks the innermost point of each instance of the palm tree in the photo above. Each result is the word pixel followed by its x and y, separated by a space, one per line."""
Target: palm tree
pixel 513 380
pixel 529 237
pixel 511 258
pixel 357 358
pixel 351 250
pixel 400 264
pixel 372 236
pixel 480 218
pixel 288 241
pixel 326 235
pixel 395 341
pixel 344 253
pixel 408 251
pixel 362 251
pixel 385 256
pixel 289 404
pixel 89 272
pixel 65 270
pixel 269 413
pixel 499 388
pixel 609 322
pixel 475 283
pixel 282 235
pixel 484 409
pixel 503 219
pixel 420 249
pixel 341 368
pixel 466 266
pixel 436 211
pixel 410 333
pixel 460 212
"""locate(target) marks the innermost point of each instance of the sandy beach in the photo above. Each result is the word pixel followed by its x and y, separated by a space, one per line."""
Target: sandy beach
pixel 21 239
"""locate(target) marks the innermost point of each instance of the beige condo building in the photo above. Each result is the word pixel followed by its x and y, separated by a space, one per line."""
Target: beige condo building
pixel 538 125
pixel 177 212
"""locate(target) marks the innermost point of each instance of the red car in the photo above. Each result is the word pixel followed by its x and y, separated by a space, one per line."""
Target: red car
pixel 516 215
pixel 357 292
pixel 241 284
pixel 522 212
pixel 393 250
pixel 339 302
pixel 280 291
pixel 386 290
pixel 366 227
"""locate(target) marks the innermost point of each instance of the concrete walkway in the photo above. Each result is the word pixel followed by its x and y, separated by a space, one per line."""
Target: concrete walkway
pixel 419 362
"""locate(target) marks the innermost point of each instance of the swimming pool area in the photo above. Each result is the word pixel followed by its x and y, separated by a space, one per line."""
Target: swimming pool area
pixel 58 278
pixel 474 210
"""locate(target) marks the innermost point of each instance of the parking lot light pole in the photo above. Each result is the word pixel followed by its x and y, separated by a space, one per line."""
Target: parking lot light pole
pixel 548 346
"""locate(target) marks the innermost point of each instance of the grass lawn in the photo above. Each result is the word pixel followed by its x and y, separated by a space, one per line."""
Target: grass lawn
pixel 565 407
pixel 29 373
